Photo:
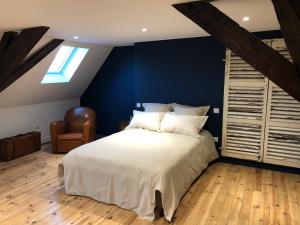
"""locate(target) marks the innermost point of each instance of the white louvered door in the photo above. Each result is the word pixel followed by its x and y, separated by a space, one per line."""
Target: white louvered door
pixel 245 101
pixel 282 136
pixel 261 122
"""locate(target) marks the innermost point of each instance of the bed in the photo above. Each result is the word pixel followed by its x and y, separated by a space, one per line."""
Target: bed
pixel 129 168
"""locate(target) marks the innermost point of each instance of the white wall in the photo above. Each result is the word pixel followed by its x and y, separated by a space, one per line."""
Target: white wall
pixel 28 105
pixel 16 120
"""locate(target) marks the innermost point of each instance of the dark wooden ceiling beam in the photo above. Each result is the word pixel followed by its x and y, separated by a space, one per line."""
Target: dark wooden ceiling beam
pixel 6 39
pixel 22 44
pixel 250 48
pixel 296 6
pixel 30 63
pixel 14 47
pixel 290 26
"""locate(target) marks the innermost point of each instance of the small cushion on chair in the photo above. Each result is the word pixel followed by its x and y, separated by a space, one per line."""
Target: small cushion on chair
pixel 70 137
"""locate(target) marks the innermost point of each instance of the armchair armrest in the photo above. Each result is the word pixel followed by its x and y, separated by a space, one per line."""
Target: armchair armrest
pixel 89 131
pixel 56 127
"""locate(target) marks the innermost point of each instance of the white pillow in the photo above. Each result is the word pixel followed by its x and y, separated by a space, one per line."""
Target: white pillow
pixel 157 107
pixel 182 124
pixel 190 110
pixel 146 120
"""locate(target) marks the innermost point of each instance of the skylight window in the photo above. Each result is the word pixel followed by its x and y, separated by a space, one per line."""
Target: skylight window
pixel 64 64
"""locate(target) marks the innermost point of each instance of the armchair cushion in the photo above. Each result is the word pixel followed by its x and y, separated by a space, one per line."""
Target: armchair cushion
pixel 70 137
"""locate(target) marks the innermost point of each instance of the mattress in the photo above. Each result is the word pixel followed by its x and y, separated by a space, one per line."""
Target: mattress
pixel 127 168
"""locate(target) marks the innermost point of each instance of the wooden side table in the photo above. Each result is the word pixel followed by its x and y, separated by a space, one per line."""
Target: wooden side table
pixel 123 125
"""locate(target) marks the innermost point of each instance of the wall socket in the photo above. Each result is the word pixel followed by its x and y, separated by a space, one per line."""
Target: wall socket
pixel 138 105
pixel 216 139
pixel 216 110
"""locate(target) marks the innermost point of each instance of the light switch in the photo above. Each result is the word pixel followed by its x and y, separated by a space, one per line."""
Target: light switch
pixel 216 110
pixel 138 105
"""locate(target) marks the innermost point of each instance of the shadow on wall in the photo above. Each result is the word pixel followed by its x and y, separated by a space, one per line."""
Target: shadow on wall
pixel 111 93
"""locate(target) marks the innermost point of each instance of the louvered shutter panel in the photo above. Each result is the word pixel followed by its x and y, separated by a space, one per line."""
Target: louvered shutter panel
pixel 245 100
pixel 282 136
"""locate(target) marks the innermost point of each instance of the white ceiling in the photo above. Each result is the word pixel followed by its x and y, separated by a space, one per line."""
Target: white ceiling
pixel 119 22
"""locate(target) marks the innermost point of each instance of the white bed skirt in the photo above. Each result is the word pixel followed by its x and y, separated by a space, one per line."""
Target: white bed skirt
pixel 127 168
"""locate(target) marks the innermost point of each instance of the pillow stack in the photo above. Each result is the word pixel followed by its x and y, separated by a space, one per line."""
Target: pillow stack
pixel 189 110
pixel 182 124
pixel 146 120
pixel 157 107
pixel 158 117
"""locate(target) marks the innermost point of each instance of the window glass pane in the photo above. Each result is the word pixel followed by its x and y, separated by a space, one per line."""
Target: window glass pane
pixel 64 65
pixel 60 59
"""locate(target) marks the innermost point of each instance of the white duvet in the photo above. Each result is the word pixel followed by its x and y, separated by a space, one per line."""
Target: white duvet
pixel 127 168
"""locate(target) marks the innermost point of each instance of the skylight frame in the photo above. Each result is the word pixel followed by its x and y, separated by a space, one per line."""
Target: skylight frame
pixel 69 67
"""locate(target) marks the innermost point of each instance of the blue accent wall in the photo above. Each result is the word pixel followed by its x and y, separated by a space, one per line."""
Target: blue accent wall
pixel 111 93
pixel 187 71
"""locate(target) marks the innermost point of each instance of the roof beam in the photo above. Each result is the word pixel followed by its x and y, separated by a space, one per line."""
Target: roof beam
pixel 290 26
pixel 30 63
pixel 14 47
pixel 6 39
pixel 250 48
pixel 296 5
pixel 19 48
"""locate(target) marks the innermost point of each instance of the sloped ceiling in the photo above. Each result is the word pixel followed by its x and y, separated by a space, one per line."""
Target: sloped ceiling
pixel 101 24
pixel 29 90
pixel 119 22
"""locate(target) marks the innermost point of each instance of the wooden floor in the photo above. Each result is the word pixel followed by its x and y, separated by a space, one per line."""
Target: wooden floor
pixel 224 194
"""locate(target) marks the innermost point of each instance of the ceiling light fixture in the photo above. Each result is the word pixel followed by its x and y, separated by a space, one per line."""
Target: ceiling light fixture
pixel 246 18
pixel 75 37
pixel 144 30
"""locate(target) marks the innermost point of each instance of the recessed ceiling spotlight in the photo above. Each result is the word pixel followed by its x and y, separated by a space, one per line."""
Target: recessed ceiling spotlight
pixel 75 37
pixel 144 29
pixel 246 18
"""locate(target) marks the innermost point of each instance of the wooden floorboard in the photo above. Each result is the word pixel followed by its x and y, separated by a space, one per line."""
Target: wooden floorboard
pixel 225 194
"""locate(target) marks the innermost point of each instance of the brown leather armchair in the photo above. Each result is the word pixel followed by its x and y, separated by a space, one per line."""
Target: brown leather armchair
pixel 78 128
